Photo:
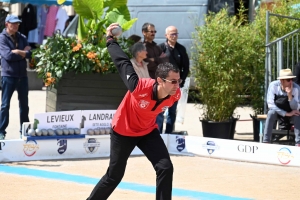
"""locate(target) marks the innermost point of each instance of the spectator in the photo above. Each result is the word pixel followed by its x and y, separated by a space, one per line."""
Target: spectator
pixel 283 102
pixel 14 49
pixel 135 38
pixel 155 56
pixel 139 53
pixel 134 123
pixel 177 57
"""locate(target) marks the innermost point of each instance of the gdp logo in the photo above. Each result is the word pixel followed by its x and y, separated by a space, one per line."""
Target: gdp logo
pixel 210 146
pixel 2 144
pixel 91 145
pixel 62 146
pixel 30 147
pixel 180 140
pixel 285 156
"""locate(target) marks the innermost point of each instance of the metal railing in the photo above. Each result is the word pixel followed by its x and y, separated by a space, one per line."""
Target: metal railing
pixel 281 53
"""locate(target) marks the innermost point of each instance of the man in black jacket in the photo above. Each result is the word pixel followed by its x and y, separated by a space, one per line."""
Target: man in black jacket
pixel 178 57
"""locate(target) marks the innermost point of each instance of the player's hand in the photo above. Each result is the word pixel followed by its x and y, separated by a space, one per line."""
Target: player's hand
pixel 110 28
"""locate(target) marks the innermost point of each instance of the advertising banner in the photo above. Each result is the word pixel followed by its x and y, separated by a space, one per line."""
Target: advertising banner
pixel 97 119
pixel 57 120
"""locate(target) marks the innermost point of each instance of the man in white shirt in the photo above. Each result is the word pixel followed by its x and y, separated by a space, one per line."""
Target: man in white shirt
pixel 283 101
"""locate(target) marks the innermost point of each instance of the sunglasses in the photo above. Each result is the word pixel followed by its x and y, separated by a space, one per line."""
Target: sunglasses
pixel 152 31
pixel 174 82
pixel 174 34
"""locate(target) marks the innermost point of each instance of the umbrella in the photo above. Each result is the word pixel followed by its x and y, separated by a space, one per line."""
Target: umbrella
pixel 37 2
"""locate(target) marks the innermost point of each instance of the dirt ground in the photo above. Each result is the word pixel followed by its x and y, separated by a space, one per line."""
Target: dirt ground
pixel 229 178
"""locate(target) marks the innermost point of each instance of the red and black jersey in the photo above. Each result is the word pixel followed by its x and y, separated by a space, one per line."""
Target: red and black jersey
pixel 136 115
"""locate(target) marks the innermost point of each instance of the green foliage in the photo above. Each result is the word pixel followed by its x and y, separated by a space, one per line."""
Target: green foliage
pixel 88 52
pixel 229 58
pixel 227 53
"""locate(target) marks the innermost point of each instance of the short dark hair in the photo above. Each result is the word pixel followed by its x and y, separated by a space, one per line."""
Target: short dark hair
pixel 146 25
pixel 163 70
pixel 134 38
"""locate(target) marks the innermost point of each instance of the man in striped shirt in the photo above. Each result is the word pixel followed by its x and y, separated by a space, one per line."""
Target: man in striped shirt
pixel 283 102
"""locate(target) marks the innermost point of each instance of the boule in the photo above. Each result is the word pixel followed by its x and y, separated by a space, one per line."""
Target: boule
pixel 66 131
pixel 59 131
pixel 117 31
pixel 90 131
pixel 71 131
pixel 51 132
pixel 107 131
pixel 31 132
pixel 77 131
pixel 96 131
pixel 102 131
pixel 38 132
pixel 44 132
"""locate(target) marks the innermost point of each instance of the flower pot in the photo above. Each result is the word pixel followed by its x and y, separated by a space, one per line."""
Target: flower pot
pixel 86 92
pixel 223 130
pixel 232 130
pixel 256 127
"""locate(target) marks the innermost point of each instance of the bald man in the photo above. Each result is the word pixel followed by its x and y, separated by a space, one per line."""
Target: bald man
pixel 178 57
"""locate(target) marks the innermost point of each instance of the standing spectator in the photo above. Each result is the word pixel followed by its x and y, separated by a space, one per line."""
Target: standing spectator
pixel 178 57
pixel 14 49
pixel 135 38
pixel 139 53
pixel 155 56
pixel 134 123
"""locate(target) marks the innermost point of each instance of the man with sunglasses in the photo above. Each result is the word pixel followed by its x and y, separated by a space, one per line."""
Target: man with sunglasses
pixel 134 123
pixel 155 56
pixel 178 57
pixel 283 102
pixel 14 49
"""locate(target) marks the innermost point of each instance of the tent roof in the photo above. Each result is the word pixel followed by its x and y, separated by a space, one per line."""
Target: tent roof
pixel 37 2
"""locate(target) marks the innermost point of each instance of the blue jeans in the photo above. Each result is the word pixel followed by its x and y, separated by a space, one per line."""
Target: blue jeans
pixel 9 85
pixel 171 117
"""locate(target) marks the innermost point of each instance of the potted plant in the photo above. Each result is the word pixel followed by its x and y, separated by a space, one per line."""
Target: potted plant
pixel 278 26
pixel 225 55
pixel 79 70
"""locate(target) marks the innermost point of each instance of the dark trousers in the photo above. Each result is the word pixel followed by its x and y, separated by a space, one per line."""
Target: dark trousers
pixel 152 145
pixel 9 85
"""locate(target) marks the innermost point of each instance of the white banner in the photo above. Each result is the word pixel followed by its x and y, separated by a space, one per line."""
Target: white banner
pixel 99 146
pixel 183 101
pixel 58 120
pixel 97 119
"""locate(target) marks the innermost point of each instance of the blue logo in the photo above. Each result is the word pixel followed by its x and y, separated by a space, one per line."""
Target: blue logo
pixel 62 146
pixel 91 145
pixel 210 146
pixel 180 143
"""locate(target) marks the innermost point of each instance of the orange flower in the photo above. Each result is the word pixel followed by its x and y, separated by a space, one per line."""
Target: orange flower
pixel 48 74
pixel 77 47
pixel 91 55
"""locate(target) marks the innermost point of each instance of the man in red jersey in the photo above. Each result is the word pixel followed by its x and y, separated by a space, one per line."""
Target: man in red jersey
pixel 134 123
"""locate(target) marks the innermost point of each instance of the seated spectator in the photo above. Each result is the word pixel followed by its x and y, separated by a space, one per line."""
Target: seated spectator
pixel 139 53
pixel 283 102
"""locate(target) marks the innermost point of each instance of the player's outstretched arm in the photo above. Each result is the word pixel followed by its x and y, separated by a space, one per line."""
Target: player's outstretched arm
pixel 121 61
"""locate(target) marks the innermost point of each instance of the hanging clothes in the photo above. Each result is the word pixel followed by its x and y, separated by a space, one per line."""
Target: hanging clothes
pixel 37 35
pixel 51 21
pixel 61 18
pixel 3 14
pixel 29 19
